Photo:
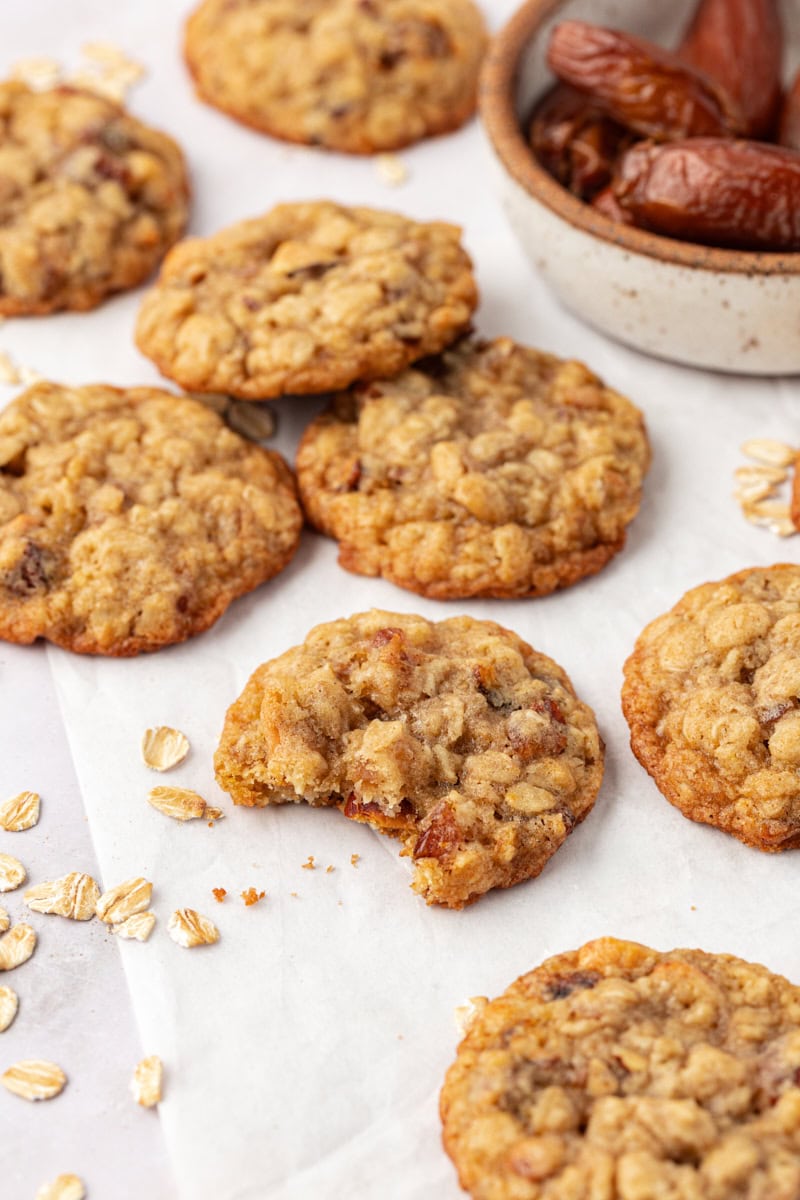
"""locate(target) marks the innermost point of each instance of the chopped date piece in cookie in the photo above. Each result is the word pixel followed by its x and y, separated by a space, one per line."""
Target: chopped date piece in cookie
pixel 712 698
pixel 90 199
pixel 308 298
pixel 391 719
pixel 492 470
pixel 130 520
pixel 353 75
pixel 616 1072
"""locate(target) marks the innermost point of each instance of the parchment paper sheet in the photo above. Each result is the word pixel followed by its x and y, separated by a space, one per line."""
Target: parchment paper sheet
pixel 305 1051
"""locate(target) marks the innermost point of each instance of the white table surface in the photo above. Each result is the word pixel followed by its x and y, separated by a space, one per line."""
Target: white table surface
pixel 305 1051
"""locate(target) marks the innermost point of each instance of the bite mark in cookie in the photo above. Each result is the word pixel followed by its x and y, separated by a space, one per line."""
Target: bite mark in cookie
pixel 455 736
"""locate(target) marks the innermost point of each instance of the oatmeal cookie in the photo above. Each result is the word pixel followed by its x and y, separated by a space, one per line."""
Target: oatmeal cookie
pixel 307 298
pixel 131 519
pixel 454 736
pixel 616 1072
pixel 711 696
pixel 352 75
pixel 493 470
pixel 795 503
pixel 90 199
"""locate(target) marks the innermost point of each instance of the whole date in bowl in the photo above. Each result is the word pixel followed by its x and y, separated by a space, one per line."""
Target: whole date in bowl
pixel 731 310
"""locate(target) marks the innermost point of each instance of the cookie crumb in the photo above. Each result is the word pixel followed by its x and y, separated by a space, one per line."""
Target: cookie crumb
pixel 354 860
pixel 219 894
pixel 251 896
pixel 310 865
pixel 329 869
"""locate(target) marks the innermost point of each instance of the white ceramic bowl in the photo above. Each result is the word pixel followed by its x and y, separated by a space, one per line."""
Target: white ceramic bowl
pixel 731 310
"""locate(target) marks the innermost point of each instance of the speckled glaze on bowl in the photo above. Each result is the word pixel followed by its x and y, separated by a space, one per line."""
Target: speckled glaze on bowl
pixel 732 310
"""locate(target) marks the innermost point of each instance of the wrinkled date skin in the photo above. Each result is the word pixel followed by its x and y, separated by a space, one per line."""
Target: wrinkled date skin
pixel 790 117
pixel 576 143
pixel 606 202
pixel 639 84
pixel 738 43
pixel 725 193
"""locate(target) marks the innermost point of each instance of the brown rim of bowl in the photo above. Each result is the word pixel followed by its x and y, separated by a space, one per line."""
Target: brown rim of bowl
pixel 499 116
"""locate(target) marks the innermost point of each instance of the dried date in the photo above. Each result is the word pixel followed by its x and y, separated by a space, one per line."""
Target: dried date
pixel 640 85
pixel 716 191
pixel 739 43
pixel 789 134
pixel 607 203
pixel 576 143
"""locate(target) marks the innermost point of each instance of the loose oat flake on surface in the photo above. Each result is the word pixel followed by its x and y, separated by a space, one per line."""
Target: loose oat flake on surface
pixel 465 1014
pixel 5 920
pixel 16 947
pixel 66 1187
pixel 146 1082
pixel 253 421
pixel 8 1007
pixel 770 451
pixel 12 873
pixel 181 804
pixel 759 487
pixel 164 747
pixel 124 900
pixel 391 169
pixel 20 812
pixel 34 1079
pixel 137 928
pixel 74 896
pixel 189 928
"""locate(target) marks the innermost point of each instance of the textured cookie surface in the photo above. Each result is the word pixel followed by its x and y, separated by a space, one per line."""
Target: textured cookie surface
pixel 352 75
pixel 90 199
pixel 615 1072
pixel 307 298
pixel 131 519
pixel 493 470
pixel 454 735
pixel 795 502
pixel 711 696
